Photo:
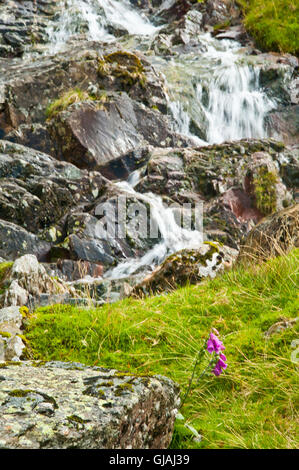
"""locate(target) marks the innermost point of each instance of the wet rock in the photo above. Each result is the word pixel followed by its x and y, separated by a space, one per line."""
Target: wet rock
pixel 285 122
pixel 67 405
pixel 22 24
pixel 272 236
pixel 186 31
pixel 186 266
pixel 279 77
pixel 109 232
pixel 109 136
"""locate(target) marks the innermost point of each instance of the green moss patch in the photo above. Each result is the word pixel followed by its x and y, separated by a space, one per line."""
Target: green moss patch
pixel 265 191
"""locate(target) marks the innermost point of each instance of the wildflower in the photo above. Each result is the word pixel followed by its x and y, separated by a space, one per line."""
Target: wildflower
pixel 220 365
pixel 214 344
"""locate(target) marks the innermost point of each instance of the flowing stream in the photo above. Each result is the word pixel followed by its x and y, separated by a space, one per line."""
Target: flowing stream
pixel 214 96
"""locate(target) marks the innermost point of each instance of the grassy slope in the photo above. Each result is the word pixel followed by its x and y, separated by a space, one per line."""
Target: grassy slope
pixel 252 405
pixel 273 23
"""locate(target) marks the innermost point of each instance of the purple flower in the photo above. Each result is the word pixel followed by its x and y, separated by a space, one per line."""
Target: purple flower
pixel 220 365
pixel 214 344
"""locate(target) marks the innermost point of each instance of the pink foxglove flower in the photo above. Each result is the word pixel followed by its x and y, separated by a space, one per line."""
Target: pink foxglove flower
pixel 214 344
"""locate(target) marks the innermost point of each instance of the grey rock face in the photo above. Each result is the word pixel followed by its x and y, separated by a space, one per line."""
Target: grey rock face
pixel 230 179
pixel 23 23
pixel 67 405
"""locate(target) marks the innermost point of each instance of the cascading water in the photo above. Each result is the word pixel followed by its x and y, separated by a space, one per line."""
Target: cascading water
pixel 173 236
pixel 93 17
pixel 223 99
pixel 214 96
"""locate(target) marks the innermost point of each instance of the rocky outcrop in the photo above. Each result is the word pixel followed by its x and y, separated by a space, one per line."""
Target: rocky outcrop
pixel 273 236
pixel 237 182
pixel 23 24
pixel 110 135
pixel 27 90
pixel 37 192
pixel 26 282
pixel 186 267
pixel 67 405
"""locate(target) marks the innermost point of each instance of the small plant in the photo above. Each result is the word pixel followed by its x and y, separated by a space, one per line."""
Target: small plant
pixel 68 98
pixel 215 347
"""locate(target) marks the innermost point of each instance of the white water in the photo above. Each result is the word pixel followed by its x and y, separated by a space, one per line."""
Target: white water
pixel 227 94
pixel 93 17
pixel 173 236
pixel 216 87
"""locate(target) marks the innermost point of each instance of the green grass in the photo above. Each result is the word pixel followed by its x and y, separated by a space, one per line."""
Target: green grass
pixel 64 101
pixel 273 23
pixel 252 405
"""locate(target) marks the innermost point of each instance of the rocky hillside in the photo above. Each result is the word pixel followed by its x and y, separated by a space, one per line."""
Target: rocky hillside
pixel 165 107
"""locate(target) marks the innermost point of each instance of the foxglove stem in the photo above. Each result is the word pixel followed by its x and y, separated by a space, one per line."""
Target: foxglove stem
pixel 199 354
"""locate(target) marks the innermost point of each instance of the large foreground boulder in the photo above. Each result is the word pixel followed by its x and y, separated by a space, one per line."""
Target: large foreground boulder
pixel 273 236
pixel 67 405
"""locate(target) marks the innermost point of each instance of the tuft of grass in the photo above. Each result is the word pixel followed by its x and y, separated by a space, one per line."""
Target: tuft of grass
pixel 273 23
pixel 254 404
pixel 265 191
pixel 68 98
pixel 5 268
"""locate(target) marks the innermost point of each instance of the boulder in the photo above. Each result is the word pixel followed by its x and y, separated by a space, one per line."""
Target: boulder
pixel 16 241
pixel 272 236
pixel 109 136
pixel 58 405
pixel 186 267
pixel 285 122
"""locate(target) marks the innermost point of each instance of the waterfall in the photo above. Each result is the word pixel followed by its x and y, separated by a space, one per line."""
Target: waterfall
pixel 93 17
pixel 174 237
pixel 222 93
pixel 214 96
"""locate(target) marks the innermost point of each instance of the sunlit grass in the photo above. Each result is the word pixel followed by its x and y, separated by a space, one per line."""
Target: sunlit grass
pixel 253 404
pixel 273 23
